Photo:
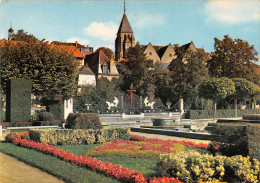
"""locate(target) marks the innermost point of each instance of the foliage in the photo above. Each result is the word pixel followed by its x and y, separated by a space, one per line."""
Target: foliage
pixel 188 71
pixel 135 149
pixel 117 171
pixel 107 51
pixel 45 116
pixel 79 136
pixel 233 59
pixel 245 87
pixel 164 89
pixel 192 167
pixel 236 139
pixel 23 36
pixel 97 96
pixel 83 121
pixel 220 113
pixel 11 136
pixel 137 71
pixel 216 88
pixel 52 71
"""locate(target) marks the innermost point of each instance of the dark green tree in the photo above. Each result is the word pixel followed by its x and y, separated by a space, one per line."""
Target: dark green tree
pixel 244 88
pixel 216 89
pixel 188 70
pixel 52 71
pixel 233 59
pixel 20 35
pixel 139 71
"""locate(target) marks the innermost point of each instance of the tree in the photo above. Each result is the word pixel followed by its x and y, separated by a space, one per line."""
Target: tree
pixel 188 70
pixel 233 59
pixel 52 71
pixel 107 51
pixel 244 88
pixel 23 36
pixel 137 70
pixel 216 89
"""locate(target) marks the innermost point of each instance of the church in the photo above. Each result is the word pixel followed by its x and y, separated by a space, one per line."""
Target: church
pixel 163 54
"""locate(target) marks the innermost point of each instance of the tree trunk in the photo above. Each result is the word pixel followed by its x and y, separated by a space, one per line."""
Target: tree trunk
pixel 215 108
pixel 235 103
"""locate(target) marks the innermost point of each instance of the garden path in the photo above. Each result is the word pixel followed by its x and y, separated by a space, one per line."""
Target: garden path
pixel 15 171
pixel 166 137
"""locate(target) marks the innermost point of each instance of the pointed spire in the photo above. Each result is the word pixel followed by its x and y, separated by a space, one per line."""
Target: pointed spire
pixel 124 26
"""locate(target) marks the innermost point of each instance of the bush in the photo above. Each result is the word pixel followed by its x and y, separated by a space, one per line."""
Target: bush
pixel 191 166
pixel 45 116
pixel 11 136
pixel 83 121
pixel 20 124
pixel 78 136
pixel 236 139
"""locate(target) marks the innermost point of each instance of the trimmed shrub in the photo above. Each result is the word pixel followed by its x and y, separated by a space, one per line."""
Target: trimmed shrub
pixel 236 139
pixel 224 113
pixel 78 136
pixel 21 135
pixel 83 121
pixel 191 166
pixel 45 116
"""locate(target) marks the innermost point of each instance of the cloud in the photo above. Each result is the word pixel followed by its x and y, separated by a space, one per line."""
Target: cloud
pixel 232 11
pixel 79 40
pixel 142 19
pixel 105 31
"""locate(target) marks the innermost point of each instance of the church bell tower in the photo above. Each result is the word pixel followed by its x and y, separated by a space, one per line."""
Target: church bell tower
pixel 125 38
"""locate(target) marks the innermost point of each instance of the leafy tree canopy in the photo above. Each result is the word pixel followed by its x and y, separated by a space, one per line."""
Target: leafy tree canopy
pixel 245 87
pixel 216 88
pixel 233 59
pixel 23 36
pixel 188 70
pixel 137 70
pixel 107 51
pixel 52 71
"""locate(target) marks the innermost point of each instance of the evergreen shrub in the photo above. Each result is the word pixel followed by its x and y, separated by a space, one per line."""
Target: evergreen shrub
pixel 77 136
pixel 45 116
pixel 83 121
pixel 236 139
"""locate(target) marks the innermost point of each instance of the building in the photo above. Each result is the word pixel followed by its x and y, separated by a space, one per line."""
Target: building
pixel 101 65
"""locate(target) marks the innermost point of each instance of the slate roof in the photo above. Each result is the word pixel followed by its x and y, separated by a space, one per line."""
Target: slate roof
pixel 124 26
pixel 85 71
pixel 93 60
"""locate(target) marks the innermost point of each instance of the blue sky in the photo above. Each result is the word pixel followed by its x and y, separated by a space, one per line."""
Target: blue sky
pixel 95 23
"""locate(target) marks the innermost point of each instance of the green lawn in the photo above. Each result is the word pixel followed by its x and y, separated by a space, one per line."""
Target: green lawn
pixel 59 168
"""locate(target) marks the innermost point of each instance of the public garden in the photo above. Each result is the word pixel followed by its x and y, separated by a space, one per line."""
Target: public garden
pixel 171 130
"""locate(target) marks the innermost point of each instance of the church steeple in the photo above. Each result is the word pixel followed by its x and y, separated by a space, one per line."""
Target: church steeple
pixel 125 37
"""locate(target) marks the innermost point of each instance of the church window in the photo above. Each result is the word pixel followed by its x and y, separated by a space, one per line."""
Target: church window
pixel 170 55
pixel 150 53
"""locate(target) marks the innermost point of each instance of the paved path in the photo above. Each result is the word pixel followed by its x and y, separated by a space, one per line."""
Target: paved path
pixel 166 137
pixel 14 171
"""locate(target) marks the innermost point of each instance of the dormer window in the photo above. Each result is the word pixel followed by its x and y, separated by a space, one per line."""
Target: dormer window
pixel 105 68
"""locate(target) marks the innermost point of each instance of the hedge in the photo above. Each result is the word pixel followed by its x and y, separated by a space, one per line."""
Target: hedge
pixel 83 121
pixel 78 136
pixel 224 113
pixel 235 139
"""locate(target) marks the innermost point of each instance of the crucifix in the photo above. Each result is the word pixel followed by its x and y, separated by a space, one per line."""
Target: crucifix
pixel 131 95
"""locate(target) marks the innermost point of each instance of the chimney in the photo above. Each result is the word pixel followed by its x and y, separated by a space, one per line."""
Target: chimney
pixel 76 43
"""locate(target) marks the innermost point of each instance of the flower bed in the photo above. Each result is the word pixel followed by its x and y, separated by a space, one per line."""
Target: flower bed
pixel 136 149
pixel 156 140
pixel 117 171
